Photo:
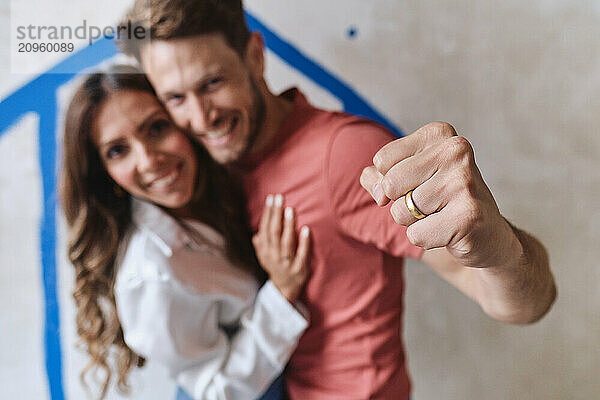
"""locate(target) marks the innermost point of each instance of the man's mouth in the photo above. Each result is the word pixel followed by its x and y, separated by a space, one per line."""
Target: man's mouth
pixel 221 136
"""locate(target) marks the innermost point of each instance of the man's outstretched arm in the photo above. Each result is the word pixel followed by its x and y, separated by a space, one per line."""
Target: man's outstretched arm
pixel 439 194
pixel 518 291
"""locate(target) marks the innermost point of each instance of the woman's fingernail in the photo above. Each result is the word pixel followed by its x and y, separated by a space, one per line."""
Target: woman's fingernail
pixel 278 200
pixel 289 213
pixel 269 201
pixel 305 231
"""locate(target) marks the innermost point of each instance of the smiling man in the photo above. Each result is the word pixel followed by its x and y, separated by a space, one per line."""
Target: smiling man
pixel 212 96
pixel 208 70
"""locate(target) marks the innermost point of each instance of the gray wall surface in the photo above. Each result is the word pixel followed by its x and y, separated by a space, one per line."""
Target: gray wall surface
pixel 520 80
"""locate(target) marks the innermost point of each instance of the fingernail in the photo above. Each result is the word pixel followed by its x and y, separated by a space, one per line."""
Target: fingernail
pixel 378 193
pixel 278 200
pixel 376 160
pixel 269 200
pixel 305 231
pixel 289 213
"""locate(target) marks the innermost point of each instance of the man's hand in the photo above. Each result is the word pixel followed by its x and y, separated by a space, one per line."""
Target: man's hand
pixel 514 282
pixel 461 213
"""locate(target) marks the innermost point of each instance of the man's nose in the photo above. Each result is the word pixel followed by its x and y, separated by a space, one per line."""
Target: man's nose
pixel 201 112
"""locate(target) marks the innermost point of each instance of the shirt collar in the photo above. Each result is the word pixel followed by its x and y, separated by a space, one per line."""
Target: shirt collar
pixel 290 124
pixel 168 233
pixel 164 229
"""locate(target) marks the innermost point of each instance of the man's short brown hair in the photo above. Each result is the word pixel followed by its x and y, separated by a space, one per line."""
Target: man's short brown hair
pixel 173 19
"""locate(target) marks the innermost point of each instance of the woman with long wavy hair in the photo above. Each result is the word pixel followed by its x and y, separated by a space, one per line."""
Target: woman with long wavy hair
pixel 164 263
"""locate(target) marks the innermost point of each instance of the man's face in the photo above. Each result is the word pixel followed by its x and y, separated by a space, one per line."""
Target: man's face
pixel 209 90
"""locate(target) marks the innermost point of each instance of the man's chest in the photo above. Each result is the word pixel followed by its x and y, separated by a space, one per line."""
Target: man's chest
pixel 299 176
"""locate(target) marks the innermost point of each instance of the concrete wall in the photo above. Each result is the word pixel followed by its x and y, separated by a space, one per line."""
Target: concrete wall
pixel 519 79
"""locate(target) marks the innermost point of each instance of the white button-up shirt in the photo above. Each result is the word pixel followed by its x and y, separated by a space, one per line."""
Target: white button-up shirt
pixel 175 297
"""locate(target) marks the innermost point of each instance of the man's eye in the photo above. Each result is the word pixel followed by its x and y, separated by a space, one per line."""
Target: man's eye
pixel 213 83
pixel 175 99
pixel 115 151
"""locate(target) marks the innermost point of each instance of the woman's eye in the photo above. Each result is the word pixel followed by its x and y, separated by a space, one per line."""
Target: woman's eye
pixel 158 127
pixel 115 151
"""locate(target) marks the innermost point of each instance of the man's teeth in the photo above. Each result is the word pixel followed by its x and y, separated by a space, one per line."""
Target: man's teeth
pixel 166 181
pixel 218 133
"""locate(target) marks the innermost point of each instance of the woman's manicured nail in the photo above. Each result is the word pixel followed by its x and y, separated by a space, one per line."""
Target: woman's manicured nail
pixel 278 200
pixel 269 200
pixel 305 231
pixel 289 213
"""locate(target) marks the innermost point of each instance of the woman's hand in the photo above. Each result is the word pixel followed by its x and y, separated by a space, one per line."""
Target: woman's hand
pixel 275 244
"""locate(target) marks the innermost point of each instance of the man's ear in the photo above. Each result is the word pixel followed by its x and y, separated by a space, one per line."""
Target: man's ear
pixel 254 57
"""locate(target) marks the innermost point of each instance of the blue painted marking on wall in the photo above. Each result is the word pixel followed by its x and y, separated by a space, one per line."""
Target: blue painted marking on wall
pixel 47 155
pixel 352 32
pixel 39 96
pixel 32 96
pixel 352 101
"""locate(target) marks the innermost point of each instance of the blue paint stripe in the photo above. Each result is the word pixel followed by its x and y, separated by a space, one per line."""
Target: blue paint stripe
pixel 352 101
pixel 39 95
pixel 47 156
pixel 32 97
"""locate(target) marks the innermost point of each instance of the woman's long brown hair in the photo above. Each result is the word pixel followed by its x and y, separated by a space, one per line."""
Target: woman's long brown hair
pixel 98 214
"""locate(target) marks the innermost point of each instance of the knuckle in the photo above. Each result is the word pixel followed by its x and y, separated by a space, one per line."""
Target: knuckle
pixel 302 259
pixel 418 238
pixel 290 257
pixel 469 184
pixel 441 129
pixel 460 147
pixel 299 257
pixel 413 237
pixel 448 129
pixel 296 268
pixel 462 180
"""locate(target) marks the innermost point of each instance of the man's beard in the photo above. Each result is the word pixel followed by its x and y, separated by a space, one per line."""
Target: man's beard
pixel 256 119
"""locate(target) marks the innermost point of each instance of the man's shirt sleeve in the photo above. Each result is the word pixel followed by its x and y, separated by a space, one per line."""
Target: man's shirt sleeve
pixel 351 149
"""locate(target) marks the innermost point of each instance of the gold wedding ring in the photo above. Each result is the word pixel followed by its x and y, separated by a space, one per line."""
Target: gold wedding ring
pixel 412 208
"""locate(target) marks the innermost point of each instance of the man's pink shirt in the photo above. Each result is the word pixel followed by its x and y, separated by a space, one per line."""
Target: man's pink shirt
pixel 353 348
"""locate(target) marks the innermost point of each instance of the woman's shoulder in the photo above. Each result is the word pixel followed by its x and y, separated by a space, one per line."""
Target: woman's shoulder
pixel 144 252
pixel 158 248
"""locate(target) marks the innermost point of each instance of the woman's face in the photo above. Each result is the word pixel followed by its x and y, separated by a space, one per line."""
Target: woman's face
pixel 142 150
